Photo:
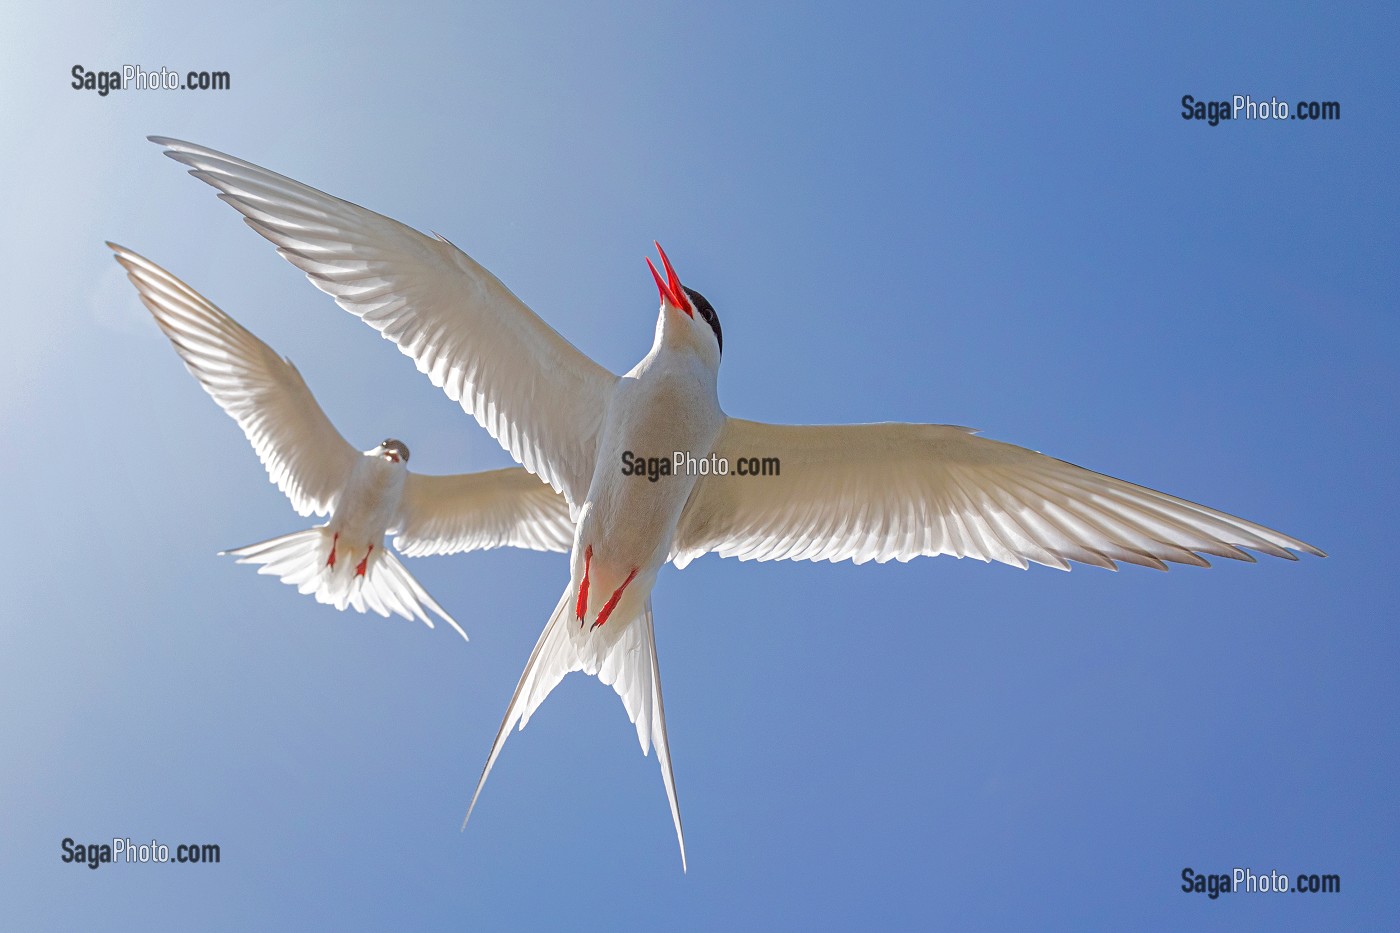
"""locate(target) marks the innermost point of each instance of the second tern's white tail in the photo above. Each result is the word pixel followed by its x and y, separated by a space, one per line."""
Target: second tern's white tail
pixel 301 559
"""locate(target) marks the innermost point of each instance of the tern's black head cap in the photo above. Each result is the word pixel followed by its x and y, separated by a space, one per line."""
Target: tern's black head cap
pixel 707 311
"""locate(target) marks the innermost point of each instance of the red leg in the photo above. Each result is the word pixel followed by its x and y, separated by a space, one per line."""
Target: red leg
pixel 611 604
pixel 360 568
pixel 582 606
pixel 330 561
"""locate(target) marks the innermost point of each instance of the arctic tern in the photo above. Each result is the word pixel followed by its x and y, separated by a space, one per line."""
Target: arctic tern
pixel 343 562
pixel 845 492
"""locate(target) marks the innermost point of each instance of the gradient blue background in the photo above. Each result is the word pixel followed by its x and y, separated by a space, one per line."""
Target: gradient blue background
pixel 952 213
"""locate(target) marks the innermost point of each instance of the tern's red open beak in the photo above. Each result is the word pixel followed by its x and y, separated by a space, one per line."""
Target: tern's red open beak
pixel 670 289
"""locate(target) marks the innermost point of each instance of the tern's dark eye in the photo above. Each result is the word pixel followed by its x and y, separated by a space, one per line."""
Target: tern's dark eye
pixel 707 311
pixel 396 447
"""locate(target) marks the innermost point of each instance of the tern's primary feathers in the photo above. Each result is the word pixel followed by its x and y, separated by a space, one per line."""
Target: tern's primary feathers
pixel 343 562
pixel 844 492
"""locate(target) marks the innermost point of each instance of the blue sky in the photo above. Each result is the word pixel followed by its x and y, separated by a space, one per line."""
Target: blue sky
pixel 928 213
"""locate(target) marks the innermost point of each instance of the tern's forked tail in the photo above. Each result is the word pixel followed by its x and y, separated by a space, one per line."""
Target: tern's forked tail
pixel 621 654
pixel 319 563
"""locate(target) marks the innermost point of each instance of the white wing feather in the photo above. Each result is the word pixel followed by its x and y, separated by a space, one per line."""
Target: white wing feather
pixel 899 491
pixel 459 324
pixel 471 511
pixel 303 453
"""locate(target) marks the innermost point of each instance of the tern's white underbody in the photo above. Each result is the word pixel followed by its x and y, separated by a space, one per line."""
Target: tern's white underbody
pixel 667 403
pixel 344 563
pixel 370 505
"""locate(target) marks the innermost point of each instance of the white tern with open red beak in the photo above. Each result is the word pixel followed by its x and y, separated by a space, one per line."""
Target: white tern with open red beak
pixel 343 562
pixel 845 492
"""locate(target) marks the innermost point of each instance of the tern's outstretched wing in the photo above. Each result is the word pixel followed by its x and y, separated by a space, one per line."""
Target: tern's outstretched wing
pixel 898 491
pixel 459 324
pixel 471 511
pixel 304 454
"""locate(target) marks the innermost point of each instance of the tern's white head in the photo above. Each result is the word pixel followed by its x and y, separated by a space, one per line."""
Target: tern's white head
pixel 391 450
pixel 687 318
